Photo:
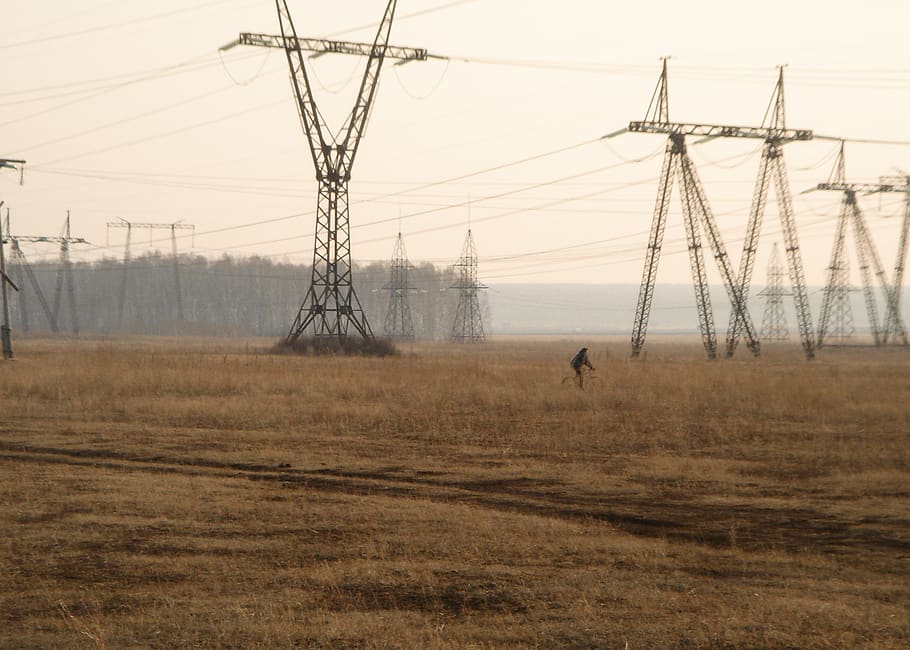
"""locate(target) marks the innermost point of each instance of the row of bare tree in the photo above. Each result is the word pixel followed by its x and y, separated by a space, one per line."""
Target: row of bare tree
pixel 197 296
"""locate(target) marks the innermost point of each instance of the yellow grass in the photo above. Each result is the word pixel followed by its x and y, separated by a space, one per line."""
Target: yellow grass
pixel 207 494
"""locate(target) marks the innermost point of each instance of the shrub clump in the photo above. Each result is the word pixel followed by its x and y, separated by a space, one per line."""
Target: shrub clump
pixel 348 345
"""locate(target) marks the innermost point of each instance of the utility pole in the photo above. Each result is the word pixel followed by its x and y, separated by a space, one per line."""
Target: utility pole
pixel 866 253
pixel 468 326
pixel 173 227
pixel 774 322
pixel 330 306
pixel 398 322
pixel 696 213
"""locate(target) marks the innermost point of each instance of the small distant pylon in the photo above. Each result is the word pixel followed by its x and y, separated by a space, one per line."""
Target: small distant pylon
pixel 398 322
pixel 774 322
pixel 841 328
pixel 468 327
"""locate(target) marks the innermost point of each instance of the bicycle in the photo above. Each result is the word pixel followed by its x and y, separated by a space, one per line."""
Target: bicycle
pixel 586 379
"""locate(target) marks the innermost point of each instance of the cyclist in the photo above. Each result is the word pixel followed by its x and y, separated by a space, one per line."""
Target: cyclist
pixel 580 359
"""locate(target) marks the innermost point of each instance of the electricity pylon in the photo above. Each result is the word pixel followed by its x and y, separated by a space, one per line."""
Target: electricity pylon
pixel 6 336
pixel 6 333
pixel 774 321
pixel 173 227
pixel 772 169
pixel 330 305
pixel 64 273
pixel 468 325
pixel 19 264
pixel 839 327
pixel 898 184
pixel 866 253
pixel 696 212
pixel 398 322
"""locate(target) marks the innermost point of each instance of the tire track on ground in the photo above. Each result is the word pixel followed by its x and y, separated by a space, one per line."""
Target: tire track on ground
pixel 756 527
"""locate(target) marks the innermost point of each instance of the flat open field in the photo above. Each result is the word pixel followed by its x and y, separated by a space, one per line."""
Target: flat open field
pixel 208 494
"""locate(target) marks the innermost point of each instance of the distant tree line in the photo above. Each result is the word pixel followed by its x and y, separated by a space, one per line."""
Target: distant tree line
pixel 229 296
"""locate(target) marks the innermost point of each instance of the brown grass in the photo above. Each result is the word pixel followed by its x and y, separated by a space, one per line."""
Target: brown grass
pixel 199 494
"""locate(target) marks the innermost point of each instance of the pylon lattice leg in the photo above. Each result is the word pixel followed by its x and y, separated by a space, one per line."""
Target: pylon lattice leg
pixel 330 305
pixel 750 244
pixel 794 258
pixel 655 241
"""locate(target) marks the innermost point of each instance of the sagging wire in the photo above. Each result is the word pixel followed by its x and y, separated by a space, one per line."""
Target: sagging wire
pixel 432 90
pixel 265 60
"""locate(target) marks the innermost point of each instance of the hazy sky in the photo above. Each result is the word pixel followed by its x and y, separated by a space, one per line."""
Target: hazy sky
pixel 125 109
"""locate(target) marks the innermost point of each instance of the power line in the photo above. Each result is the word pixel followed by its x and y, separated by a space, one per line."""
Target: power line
pixel 165 134
pixel 99 28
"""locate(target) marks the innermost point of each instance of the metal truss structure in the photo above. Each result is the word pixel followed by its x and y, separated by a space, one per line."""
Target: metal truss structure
pixel 774 321
pixel 772 169
pixel 19 265
pixel 127 256
pixel 837 313
pixel 468 325
pixel 867 256
pixel 6 335
pixel 897 184
pixel 696 213
pixel 398 322
pixel 330 306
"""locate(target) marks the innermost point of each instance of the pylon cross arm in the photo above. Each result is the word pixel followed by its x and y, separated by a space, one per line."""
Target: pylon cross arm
pixel 325 46
pixel 861 188
pixel 720 131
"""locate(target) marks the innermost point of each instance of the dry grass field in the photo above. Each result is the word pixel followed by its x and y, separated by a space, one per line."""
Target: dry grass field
pixel 193 494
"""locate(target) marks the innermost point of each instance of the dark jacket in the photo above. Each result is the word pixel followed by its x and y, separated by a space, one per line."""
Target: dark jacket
pixel 581 359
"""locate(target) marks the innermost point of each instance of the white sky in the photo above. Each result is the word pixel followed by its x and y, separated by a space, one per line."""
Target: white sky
pixel 99 98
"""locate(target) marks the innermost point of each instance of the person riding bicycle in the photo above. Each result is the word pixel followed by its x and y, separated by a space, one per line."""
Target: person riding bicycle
pixel 579 360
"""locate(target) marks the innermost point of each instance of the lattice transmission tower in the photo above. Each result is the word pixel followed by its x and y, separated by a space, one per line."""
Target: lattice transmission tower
pixel 772 169
pixel 398 322
pixel 63 281
pixel 6 336
pixel 867 256
pixel 839 326
pixel 697 214
pixel 898 184
pixel 127 256
pixel 774 321
pixel 330 307
pixel 20 268
pixel 468 325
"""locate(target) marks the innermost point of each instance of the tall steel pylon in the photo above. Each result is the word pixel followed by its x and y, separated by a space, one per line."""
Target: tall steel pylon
pixel 898 184
pixel 772 169
pixel 696 213
pixel 774 321
pixel 173 227
pixel 6 334
pixel 867 256
pixel 468 325
pixel 398 322
pixel 330 306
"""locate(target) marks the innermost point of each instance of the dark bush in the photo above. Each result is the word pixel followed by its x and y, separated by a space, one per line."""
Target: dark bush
pixel 349 345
